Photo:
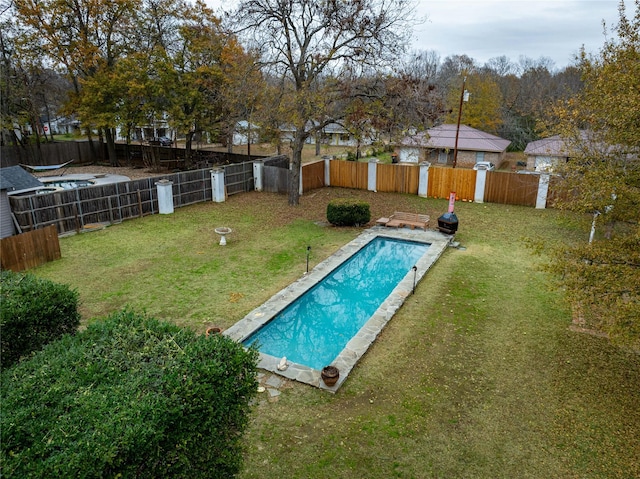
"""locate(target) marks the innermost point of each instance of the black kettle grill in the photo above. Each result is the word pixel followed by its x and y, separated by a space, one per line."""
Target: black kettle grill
pixel 448 223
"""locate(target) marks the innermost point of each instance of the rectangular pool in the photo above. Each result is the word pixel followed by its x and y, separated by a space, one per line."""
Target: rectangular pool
pixel 314 328
pixel 334 313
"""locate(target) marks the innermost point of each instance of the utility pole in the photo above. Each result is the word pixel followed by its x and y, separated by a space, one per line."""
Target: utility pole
pixel 464 96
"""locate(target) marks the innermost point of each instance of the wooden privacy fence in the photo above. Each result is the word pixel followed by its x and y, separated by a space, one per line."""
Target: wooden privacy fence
pixel 53 153
pixel 348 174
pixel 276 174
pixel 443 181
pixel 511 188
pixel 238 178
pixel 498 187
pixel 276 180
pixel 313 175
pixel 155 156
pixel 82 208
pixel 83 152
pixel 75 209
pixel 31 249
pixel 397 178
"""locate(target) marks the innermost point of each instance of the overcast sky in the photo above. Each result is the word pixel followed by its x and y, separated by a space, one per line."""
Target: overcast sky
pixel 483 29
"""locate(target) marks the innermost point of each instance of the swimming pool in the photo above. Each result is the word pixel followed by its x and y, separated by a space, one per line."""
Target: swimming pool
pixel 314 328
pixel 310 288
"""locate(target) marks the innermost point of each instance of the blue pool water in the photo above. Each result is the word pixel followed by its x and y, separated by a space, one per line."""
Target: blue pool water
pixel 316 327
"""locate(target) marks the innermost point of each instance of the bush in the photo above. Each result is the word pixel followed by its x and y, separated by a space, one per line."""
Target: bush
pixel 348 212
pixel 131 397
pixel 33 312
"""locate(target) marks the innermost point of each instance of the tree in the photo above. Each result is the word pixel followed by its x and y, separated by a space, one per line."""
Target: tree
pixel 191 73
pixel 85 37
pixel 482 111
pixel 243 92
pixel 30 90
pixel 602 177
pixel 414 98
pixel 312 47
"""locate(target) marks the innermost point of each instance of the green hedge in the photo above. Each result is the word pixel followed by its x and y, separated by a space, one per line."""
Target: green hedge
pixel 130 397
pixel 33 312
pixel 348 212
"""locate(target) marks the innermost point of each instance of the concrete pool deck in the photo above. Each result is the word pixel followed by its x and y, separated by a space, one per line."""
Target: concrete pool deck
pixel 358 345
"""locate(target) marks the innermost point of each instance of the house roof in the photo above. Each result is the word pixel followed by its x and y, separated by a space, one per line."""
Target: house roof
pixel 444 136
pixel 244 125
pixel 552 146
pixel 566 147
pixel 13 178
pixel 333 127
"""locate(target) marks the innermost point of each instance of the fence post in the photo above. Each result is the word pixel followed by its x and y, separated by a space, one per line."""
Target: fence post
pixel 165 197
pixel 327 172
pixel 372 175
pixel 481 181
pixel 543 191
pixel 423 184
pixel 258 171
pixel 217 185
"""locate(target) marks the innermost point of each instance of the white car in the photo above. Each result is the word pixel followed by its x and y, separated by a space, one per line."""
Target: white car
pixel 484 165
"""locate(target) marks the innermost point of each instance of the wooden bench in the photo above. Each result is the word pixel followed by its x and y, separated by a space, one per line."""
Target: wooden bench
pixel 400 219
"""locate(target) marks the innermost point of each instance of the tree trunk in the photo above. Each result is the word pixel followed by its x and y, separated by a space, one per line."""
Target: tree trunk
pixel 46 109
pixel 92 147
pixel 38 151
pixel 230 141
pixel 296 163
pixel 111 146
pixel 188 149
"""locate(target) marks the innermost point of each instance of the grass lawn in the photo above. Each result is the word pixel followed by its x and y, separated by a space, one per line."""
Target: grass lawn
pixel 477 376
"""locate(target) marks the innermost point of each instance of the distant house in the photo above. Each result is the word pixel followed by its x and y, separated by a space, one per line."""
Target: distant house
pixel 337 135
pixel 158 127
pixel 67 125
pixel 437 146
pixel 547 153
pixel 543 155
pixel 332 134
pixel 243 131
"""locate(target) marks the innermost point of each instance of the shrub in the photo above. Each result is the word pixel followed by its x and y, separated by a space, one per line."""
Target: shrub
pixel 348 212
pixel 33 312
pixel 131 397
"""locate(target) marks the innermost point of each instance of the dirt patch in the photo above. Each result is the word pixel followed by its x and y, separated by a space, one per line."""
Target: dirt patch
pixel 133 173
